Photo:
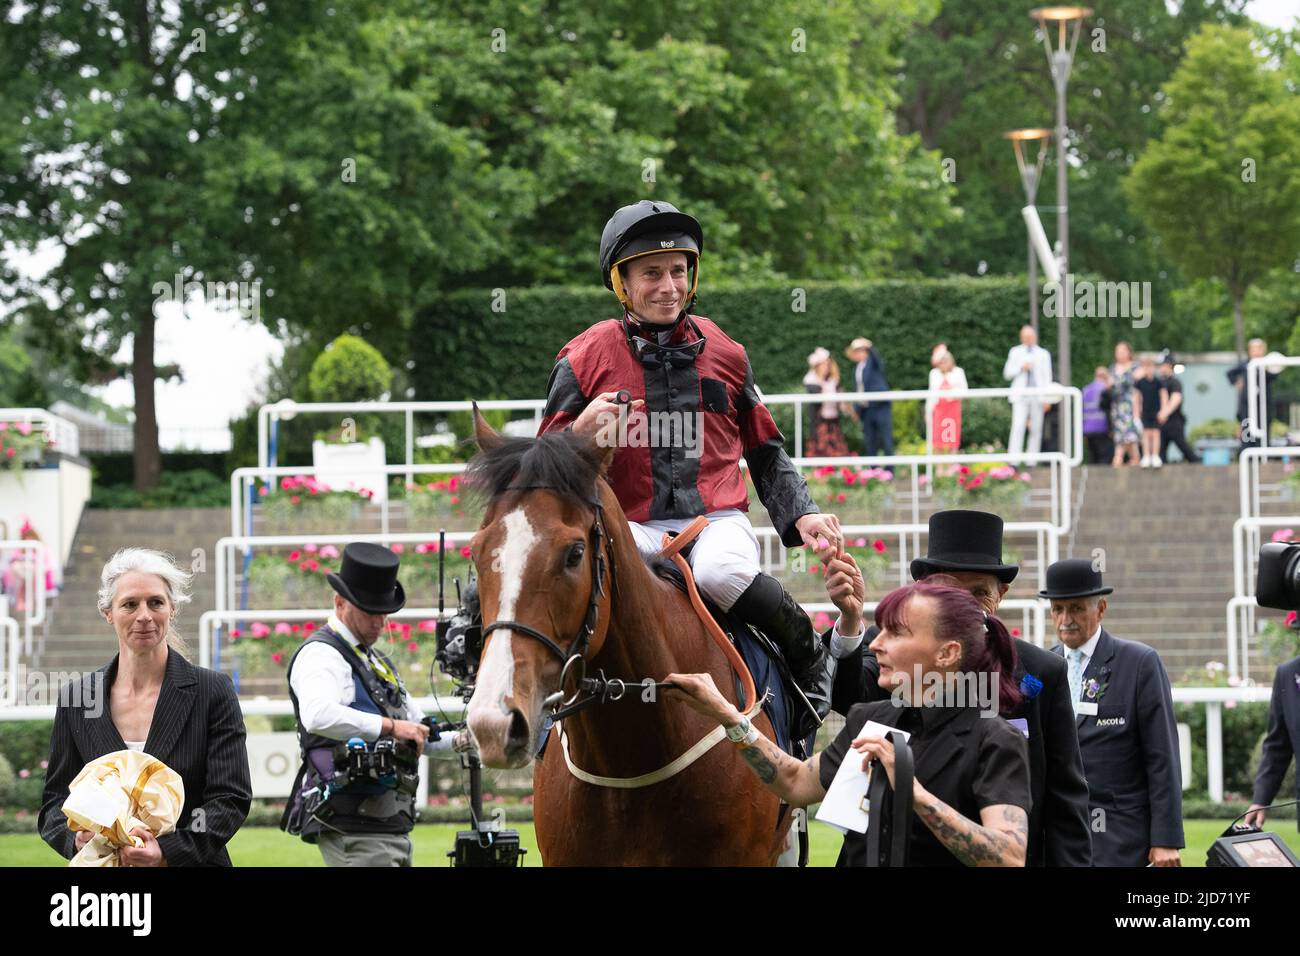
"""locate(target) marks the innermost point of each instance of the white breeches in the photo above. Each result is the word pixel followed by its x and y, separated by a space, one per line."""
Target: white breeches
pixel 724 558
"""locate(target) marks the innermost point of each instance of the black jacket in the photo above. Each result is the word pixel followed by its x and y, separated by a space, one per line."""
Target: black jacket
pixel 1058 816
pixel 197 730
pixel 1282 741
pixel 1130 753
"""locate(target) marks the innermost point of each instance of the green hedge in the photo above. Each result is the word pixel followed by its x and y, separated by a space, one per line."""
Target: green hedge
pixel 472 343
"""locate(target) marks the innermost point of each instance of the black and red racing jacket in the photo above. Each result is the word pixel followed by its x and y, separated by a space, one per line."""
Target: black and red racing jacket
pixel 691 474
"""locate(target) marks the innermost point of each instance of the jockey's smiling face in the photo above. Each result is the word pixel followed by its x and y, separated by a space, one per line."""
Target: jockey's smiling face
pixel 657 286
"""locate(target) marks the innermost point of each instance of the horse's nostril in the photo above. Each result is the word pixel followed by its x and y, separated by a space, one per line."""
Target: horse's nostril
pixel 517 736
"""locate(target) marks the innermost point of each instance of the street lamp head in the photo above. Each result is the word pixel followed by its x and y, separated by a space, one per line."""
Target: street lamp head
pixel 1021 135
pixel 1066 14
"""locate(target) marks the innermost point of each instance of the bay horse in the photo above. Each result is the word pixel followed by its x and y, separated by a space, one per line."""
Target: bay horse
pixel 559 575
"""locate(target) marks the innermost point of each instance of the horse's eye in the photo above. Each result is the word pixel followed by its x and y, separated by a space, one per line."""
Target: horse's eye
pixel 574 557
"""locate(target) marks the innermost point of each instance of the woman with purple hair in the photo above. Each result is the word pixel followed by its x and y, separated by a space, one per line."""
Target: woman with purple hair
pixel 948 667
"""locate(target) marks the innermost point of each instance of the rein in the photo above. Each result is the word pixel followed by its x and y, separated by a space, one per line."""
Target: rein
pixel 601 689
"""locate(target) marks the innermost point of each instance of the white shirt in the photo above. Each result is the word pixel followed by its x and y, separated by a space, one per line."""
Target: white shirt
pixel 136 745
pixel 842 646
pixel 1040 371
pixel 322 682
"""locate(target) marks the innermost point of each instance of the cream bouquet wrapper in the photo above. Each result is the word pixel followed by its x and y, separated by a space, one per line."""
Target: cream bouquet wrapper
pixel 116 793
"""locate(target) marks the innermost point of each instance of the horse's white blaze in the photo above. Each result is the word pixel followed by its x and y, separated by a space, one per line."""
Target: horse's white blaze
pixel 497 671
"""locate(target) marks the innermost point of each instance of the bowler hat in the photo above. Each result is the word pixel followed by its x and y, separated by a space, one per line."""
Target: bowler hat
pixel 368 578
pixel 1073 577
pixel 965 541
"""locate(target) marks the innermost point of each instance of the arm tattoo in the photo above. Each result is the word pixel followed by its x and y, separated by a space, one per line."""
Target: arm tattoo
pixel 795 781
pixel 971 843
pixel 762 766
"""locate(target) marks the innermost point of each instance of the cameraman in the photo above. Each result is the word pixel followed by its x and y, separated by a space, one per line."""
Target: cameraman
pixel 342 688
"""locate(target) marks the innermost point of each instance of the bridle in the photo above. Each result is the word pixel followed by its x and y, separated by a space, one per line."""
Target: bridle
pixel 600 689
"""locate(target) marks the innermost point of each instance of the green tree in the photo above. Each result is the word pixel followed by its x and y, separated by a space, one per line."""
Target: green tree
pixel 350 370
pixel 1221 188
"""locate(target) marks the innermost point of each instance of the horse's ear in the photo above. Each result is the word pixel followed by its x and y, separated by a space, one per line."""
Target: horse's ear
pixel 486 436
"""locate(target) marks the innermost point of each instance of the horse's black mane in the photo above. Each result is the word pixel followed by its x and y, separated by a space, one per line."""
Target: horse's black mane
pixel 562 462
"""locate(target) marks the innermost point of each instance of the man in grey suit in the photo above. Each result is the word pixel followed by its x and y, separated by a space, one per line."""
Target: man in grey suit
pixel 1125 715
pixel 1281 742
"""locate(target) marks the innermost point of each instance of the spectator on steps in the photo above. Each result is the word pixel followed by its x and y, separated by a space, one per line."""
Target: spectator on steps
pixel 1173 426
pixel 1096 417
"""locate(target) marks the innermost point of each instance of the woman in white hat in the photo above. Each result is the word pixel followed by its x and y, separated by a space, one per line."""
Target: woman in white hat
pixel 827 439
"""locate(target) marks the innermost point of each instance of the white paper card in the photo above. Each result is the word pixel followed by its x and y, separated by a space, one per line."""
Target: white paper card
pixel 842 807
pixel 1086 709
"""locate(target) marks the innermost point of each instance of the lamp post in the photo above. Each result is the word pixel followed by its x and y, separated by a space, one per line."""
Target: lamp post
pixel 1030 177
pixel 1060 59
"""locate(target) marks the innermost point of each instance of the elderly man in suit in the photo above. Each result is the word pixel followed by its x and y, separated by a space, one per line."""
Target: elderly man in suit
pixel 967 545
pixel 1125 714
pixel 1028 365
pixel 1281 742
pixel 877 417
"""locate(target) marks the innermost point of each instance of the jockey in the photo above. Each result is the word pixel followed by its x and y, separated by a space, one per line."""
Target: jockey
pixel 695 412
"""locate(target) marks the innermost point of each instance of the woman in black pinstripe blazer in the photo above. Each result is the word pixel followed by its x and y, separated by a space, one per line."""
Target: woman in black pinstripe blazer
pixel 150 697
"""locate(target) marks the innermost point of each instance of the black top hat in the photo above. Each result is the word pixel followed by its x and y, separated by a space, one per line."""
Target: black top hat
pixel 965 541
pixel 1074 577
pixel 368 579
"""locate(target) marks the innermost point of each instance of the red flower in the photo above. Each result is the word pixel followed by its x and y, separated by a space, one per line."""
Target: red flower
pixel 278 657
pixel 879 546
pixel 964 470
pixel 455 499
pixel 1290 618
pixel 466 552
pixel 311 564
pixel 413 646
pixel 294 499
pixel 841 498
pixel 1015 632
pixel 295 628
pixel 309 626
pixel 10 452
pixel 295 556
pixel 235 632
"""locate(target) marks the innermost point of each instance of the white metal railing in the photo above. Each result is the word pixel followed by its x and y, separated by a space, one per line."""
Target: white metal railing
pixel 1060 462
pixel 251 706
pixel 1255 425
pixel 771 557
pixel 34 592
pixel 212 622
pixel 1213 698
pixel 1246 538
pixel 61 431
pixel 286 409
pixel 9 696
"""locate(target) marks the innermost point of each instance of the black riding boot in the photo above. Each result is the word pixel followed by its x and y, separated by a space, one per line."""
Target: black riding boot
pixel 770 608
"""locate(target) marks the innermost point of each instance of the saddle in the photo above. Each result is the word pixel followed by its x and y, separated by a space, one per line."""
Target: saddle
pixel 758 666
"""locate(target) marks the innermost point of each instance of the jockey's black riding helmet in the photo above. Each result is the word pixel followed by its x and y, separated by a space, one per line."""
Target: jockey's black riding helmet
pixel 643 229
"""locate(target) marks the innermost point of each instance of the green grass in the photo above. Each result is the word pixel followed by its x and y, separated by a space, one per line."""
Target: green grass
pixel 266 846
